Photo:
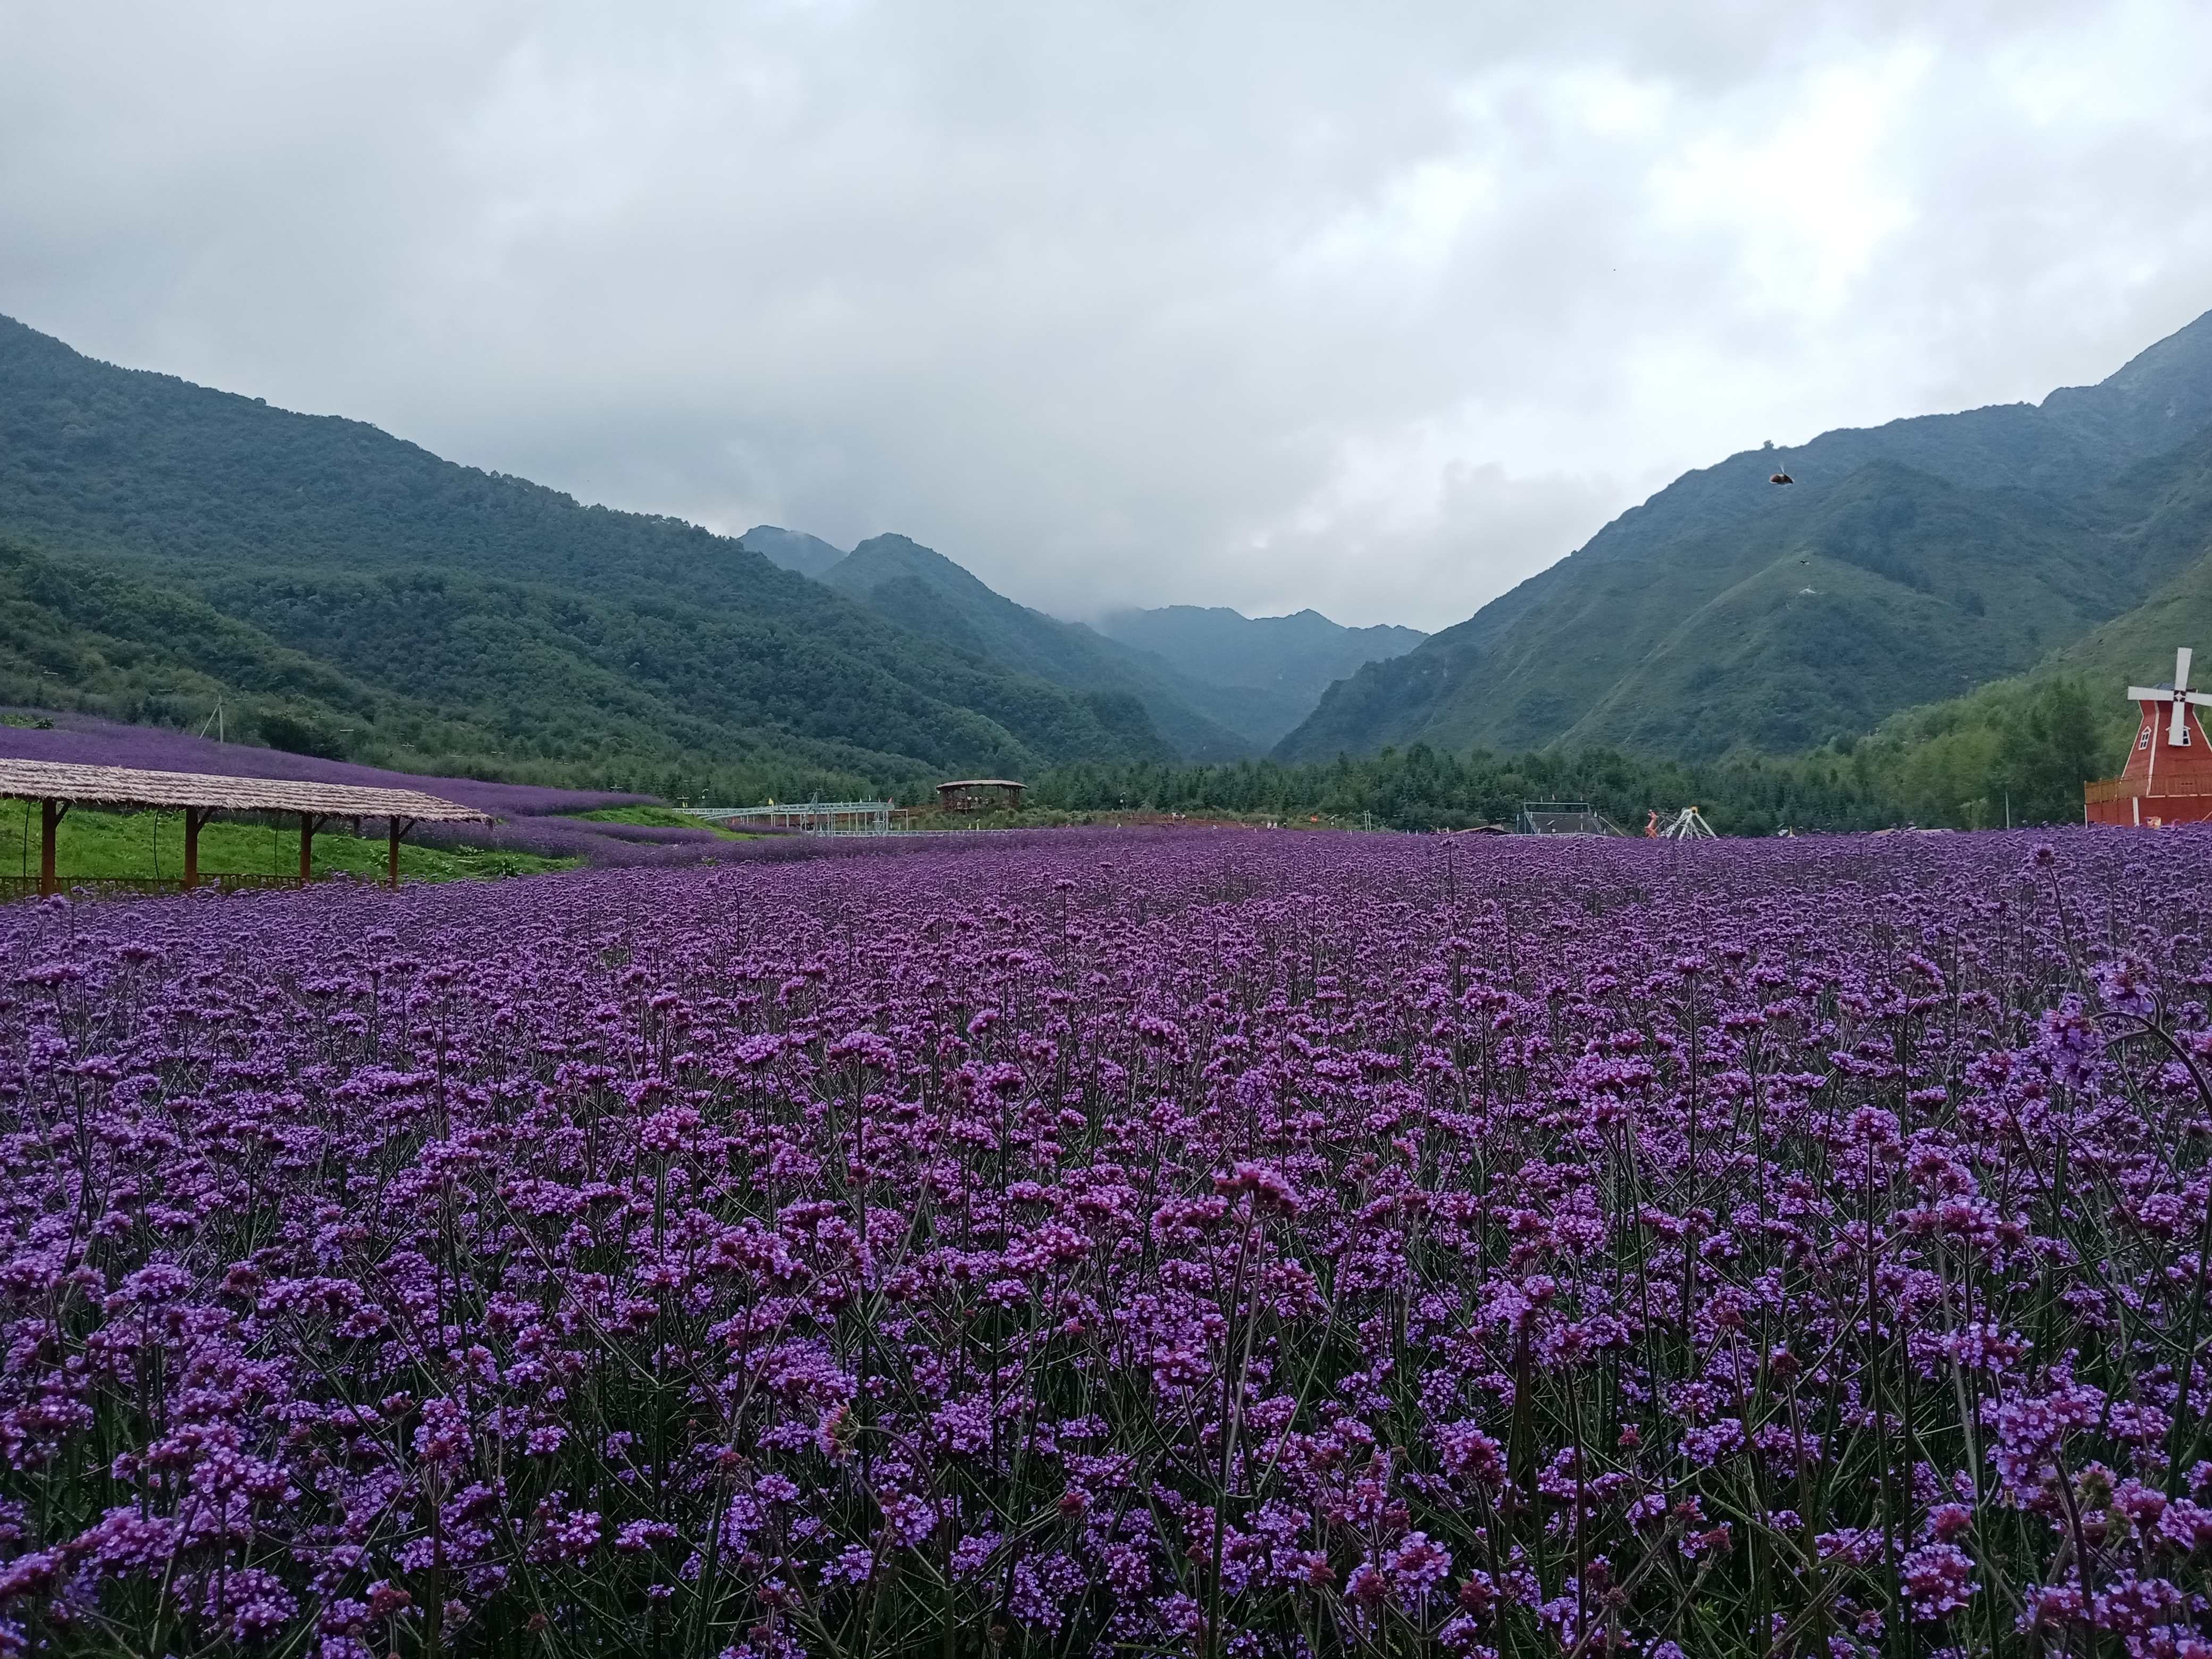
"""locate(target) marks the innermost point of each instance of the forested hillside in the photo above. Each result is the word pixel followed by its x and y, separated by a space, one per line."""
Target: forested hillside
pixel 2173 533
pixel 77 636
pixel 2016 752
pixel 1906 562
pixel 541 628
pixel 1422 789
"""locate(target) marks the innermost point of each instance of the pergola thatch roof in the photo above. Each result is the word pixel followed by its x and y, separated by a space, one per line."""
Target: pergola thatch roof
pixel 122 785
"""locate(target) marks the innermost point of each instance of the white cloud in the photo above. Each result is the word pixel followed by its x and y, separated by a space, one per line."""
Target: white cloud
pixel 1376 310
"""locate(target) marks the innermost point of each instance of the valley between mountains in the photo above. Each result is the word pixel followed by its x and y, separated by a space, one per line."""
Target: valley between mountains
pixel 166 548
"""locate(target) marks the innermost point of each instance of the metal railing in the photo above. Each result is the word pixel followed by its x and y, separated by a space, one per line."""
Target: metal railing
pixel 812 818
pixel 1562 817
pixel 2098 791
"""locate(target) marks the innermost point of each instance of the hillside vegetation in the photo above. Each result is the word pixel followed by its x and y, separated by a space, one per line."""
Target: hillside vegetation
pixel 1907 564
pixel 538 627
pixel 1423 788
pixel 2015 753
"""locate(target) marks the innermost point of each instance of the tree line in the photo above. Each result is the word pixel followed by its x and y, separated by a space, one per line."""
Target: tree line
pixel 2017 752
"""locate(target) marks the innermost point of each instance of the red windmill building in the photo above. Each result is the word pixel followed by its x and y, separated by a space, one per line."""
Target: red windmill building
pixel 2168 776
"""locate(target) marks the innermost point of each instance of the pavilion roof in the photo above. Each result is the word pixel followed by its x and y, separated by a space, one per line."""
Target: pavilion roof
pixel 123 786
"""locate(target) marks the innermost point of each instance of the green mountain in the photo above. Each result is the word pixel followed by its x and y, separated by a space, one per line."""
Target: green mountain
pixel 2018 749
pixel 1276 666
pixel 791 549
pixel 923 590
pixel 477 610
pixel 1906 562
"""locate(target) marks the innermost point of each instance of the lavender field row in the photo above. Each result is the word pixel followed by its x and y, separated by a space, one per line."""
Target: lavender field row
pixel 1209 1244
pixel 87 740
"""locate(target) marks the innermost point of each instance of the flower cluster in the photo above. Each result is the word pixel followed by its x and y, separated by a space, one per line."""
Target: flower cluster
pixel 1205 1244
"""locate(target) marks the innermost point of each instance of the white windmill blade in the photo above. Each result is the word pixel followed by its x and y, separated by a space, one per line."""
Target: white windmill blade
pixel 2181 668
pixel 2146 694
pixel 2202 699
pixel 2177 731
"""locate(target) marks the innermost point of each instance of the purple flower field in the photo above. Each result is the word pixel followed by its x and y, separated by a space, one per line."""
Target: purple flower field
pixel 1202 1244
pixel 605 846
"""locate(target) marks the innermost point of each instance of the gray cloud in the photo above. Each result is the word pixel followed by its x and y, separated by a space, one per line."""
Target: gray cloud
pixel 1375 309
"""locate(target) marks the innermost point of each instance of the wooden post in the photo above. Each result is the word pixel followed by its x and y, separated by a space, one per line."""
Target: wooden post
pixel 51 814
pixel 400 827
pixel 307 822
pixel 194 818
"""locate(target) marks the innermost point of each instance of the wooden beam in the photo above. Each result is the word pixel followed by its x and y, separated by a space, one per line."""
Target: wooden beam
pixel 309 823
pixel 194 818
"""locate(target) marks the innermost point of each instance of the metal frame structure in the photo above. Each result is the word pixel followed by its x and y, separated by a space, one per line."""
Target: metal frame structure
pixel 813 817
pixel 1688 825
pixel 1562 817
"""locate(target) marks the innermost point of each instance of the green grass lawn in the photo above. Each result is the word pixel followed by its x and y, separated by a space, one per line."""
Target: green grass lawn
pixel 141 844
pixel 659 817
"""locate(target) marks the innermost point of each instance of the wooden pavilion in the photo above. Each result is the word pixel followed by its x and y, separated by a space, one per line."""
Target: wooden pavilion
pixel 980 795
pixel 57 786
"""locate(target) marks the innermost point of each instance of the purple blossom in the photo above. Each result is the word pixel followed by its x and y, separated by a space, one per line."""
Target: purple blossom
pixel 1416 1566
pixel 2126 986
pixel 1938 1580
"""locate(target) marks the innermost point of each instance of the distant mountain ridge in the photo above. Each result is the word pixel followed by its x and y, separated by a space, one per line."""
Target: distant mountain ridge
pixel 919 589
pixel 1216 684
pixel 1906 561
pixel 1283 663
pixel 791 549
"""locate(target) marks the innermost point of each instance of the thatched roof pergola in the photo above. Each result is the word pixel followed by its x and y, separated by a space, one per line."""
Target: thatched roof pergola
pixel 57 786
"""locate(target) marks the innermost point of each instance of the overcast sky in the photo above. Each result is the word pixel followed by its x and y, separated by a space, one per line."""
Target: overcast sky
pixel 1374 309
